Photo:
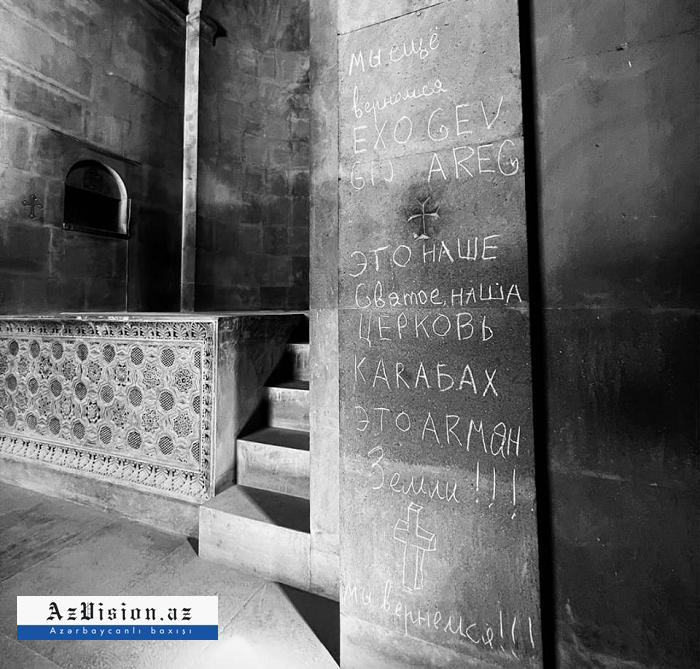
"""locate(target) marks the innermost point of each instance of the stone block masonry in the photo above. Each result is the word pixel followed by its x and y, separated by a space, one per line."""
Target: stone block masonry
pixel 616 121
pixel 438 525
pixel 68 93
pixel 253 199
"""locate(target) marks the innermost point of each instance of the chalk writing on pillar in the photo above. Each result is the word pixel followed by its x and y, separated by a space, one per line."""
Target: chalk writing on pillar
pixel 435 407
pixel 448 252
pixel 377 56
pixel 503 632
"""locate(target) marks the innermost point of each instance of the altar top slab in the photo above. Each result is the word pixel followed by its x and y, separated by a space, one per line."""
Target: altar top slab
pixel 149 316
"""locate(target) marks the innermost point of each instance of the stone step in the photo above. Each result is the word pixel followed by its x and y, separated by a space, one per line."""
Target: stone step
pixel 287 405
pixel 298 355
pixel 258 531
pixel 274 459
pixel 294 365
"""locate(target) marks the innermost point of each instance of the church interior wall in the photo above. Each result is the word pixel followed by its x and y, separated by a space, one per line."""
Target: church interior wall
pixel 611 109
pixel 253 167
pixel 101 81
pixel 615 136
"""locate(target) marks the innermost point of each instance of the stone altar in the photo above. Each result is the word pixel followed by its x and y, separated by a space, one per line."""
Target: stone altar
pixel 152 402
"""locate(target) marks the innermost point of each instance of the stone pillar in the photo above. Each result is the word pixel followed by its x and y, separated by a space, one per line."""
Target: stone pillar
pixel 438 526
pixel 323 316
pixel 189 169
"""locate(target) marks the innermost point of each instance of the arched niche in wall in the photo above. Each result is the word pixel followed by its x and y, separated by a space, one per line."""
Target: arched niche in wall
pixel 96 200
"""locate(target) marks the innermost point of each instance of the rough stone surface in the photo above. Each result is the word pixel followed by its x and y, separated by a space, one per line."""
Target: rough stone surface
pixel 438 527
pixel 356 15
pixel 69 548
pixel 250 348
pixel 615 113
pixel 323 418
pixel 323 262
pixel 70 93
pixel 252 200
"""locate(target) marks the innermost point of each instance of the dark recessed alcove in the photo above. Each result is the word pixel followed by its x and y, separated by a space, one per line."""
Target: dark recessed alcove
pixel 96 200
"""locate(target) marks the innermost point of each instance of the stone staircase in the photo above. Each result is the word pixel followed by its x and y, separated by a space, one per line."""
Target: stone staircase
pixel 275 457
pixel 261 524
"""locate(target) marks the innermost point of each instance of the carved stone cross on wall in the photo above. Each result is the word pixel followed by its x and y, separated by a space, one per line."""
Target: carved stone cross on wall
pixel 417 542
pixel 423 215
pixel 33 203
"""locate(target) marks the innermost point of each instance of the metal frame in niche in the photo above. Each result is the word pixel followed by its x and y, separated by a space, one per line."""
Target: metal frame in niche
pixel 96 200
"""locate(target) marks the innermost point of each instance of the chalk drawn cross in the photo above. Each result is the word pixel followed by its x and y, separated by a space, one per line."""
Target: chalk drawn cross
pixel 33 203
pixel 423 215
pixel 417 542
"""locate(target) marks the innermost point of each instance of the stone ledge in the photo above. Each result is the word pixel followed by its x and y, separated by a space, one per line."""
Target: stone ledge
pixel 163 513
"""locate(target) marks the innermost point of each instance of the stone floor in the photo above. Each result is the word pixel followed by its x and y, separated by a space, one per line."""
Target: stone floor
pixel 53 547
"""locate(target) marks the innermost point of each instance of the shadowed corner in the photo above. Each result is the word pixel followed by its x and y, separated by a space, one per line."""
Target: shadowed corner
pixel 321 615
pixel 537 336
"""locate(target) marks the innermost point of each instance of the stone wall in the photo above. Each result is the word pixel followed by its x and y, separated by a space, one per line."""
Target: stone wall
pixel 616 135
pixel 610 109
pixel 323 298
pixel 88 80
pixel 253 206
pixel 438 526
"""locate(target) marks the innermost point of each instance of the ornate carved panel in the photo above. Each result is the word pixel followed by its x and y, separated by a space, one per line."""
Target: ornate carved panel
pixel 128 401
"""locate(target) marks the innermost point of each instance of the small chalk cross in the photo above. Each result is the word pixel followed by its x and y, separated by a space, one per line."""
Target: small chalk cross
pixel 417 542
pixel 423 215
pixel 33 203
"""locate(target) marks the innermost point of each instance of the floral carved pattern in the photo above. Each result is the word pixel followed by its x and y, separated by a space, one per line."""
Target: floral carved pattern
pixel 126 401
